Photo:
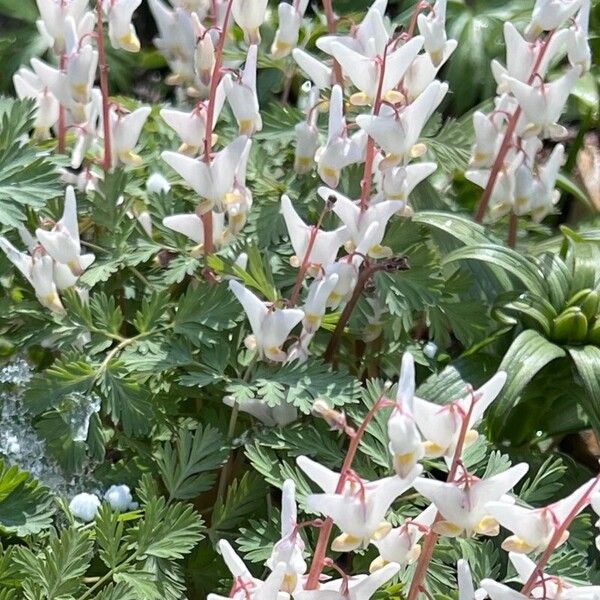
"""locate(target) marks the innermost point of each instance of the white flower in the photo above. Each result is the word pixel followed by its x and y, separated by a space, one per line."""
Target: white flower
pixel 364 72
pixel 550 14
pixel 320 73
pixel 533 528
pixel 81 65
pixel 433 28
pixel 190 225
pixel 307 143
pixel 462 503
pixel 360 508
pixel 290 19
pixel 204 56
pixel 241 95
pixel 120 28
pixel 325 246
pixel 358 587
pixel 358 221
pixel 316 302
pixel 62 242
pixel 270 326
pixel 340 149
pixel 29 85
pixel 119 497
pixel 126 130
pixel 250 15
pixel 289 549
pixel 502 198
pixel 84 506
pixel 191 126
pixel 401 545
pixel 53 22
pixel 245 586
pixel 521 56
pixel 440 425
pixel 215 180
pixel 543 103
pixel 466 591
pixel 405 441
pixel 488 139
pixel 398 134
pixel 578 48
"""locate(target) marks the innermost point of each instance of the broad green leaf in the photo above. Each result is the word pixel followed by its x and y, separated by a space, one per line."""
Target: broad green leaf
pixel 587 365
pixel 528 354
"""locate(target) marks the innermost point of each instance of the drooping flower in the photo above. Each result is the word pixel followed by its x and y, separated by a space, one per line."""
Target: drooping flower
pixel 320 73
pixel 190 225
pixel 462 503
pixel 290 548
pixel 543 103
pixel 242 97
pixel 398 132
pixel 433 28
pixel 578 48
pixel 281 415
pixel 325 245
pixel 270 326
pixel 126 129
pixel 250 15
pixel 359 509
pixel 62 242
pixel 534 528
pixel 401 544
pixel 245 586
pixel 405 440
pixel 211 181
pixel 290 19
pixel 52 24
pixel 358 587
pixel 396 183
pixel 548 15
pixel 121 31
pixel 441 425
pixel 316 302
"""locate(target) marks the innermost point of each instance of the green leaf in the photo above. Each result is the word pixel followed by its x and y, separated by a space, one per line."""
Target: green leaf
pixel 187 466
pixel 142 584
pixel 509 260
pixel 27 177
pixel 587 364
pixel 109 537
pixel 118 591
pixel 528 354
pixel 25 505
pixel 166 531
pixel 56 572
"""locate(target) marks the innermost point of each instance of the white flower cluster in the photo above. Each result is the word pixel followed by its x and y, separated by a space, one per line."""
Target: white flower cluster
pixel 65 97
pixel 464 505
pixel 509 140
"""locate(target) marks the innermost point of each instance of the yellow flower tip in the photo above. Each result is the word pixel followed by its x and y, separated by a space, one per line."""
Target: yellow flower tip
pixel 130 42
pixel 289 582
pixel 471 437
pixel 345 543
pixel 131 158
pixel 379 251
pixel 436 57
pixel 394 97
pixel 448 529
pixel 382 530
pixel 488 526
pixel 360 99
pixel 418 150
pixel 377 564
pixel 280 49
pixel 514 543
pixel 391 160
pixel 433 450
pixel 246 126
pixel 313 320
pixel 188 149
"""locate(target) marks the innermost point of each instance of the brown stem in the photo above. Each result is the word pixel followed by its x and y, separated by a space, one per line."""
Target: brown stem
pixel 432 537
pixel 321 548
pixel 107 161
pixel 207 223
pixel 556 538
pixel 507 141
pixel 332 28
pixel 367 179
pixel 62 128
pixel 512 230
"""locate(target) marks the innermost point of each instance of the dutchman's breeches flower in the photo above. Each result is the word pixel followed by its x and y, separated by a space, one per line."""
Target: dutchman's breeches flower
pixel 121 31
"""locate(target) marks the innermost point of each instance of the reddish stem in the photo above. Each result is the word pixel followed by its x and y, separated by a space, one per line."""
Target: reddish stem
pixel 207 224
pixel 432 537
pixel 306 260
pixel 107 162
pixel 367 179
pixel 555 539
pixel 62 129
pixel 318 561
pixel 332 28
pixel 508 138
